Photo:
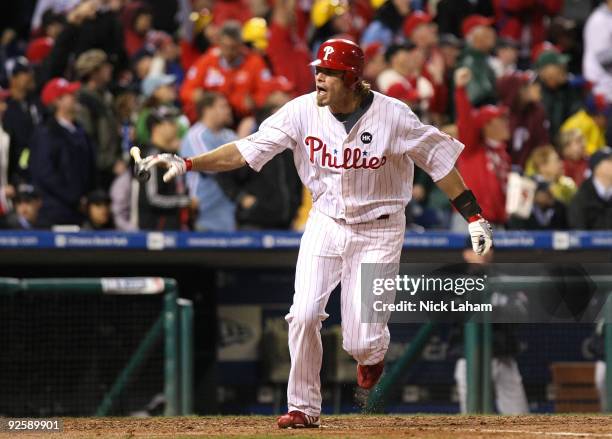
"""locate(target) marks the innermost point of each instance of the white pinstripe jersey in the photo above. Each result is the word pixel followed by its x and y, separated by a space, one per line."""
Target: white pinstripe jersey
pixel 357 176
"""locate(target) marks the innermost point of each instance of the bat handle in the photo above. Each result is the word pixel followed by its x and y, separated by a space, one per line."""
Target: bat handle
pixel 135 153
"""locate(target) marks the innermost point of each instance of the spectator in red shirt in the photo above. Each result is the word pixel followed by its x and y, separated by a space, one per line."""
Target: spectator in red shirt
pixel 423 32
pixel 230 10
pixel 284 40
pixel 196 36
pixel 403 79
pixel 484 163
pixel 137 22
pixel 573 151
pixel 274 42
pixel 230 69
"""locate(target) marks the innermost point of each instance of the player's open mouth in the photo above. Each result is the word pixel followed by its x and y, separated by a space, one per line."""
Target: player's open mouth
pixel 321 91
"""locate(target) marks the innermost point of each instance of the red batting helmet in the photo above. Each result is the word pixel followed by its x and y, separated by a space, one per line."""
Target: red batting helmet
pixel 339 54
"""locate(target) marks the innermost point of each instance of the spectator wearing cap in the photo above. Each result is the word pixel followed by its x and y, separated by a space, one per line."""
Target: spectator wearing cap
pixel 162 205
pixel 387 23
pixel 524 20
pixel 592 121
pixel 215 210
pixel 52 25
pixel 98 211
pixel 419 28
pixel 484 163
pixel 560 97
pixel 451 13
pixel 522 95
pixel 374 63
pixel 539 49
pixel 23 114
pixel 329 18
pixel 573 151
pixel 63 157
pixel 27 203
pixel 167 55
pixel 546 163
pixel 230 69
pixel 506 56
pixel 480 40
pixel 141 65
pixel 403 79
pixel 97 116
pixel 450 48
pixel 591 208
pixel 597 59
pixel 159 93
pixel 284 39
pixel 547 212
pixel 255 34
pixel 39 49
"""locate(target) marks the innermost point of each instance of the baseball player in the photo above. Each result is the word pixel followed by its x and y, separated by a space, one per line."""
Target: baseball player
pixel 355 150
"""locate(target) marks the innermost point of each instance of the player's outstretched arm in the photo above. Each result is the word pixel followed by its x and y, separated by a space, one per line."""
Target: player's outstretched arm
pixel 466 204
pixel 224 158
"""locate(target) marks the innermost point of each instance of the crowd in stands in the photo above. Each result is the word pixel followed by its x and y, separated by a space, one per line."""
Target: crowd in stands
pixel 526 85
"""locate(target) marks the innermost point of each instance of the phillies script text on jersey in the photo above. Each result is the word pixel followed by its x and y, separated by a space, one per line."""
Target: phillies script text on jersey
pixel 353 157
pixel 357 176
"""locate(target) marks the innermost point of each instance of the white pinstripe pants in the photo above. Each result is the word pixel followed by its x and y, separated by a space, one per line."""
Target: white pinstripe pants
pixel 331 252
pixel 510 397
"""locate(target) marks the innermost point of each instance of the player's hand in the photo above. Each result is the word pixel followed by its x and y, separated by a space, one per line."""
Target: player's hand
pixel 463 75
pixel 176 165
pixel 481 235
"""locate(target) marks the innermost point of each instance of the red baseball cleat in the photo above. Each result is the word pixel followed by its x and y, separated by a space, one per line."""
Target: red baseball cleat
pixel 296 419
pixel 367 376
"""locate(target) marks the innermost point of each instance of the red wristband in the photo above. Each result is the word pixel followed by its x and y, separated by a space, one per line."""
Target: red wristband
pixel 188 164
pixel 473 218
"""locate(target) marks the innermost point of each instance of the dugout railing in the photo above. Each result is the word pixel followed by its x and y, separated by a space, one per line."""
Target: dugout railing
pixel 168 336
pixel 478 357
pixel 478 351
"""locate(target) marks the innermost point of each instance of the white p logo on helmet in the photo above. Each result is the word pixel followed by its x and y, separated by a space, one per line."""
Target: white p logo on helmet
pixel 328 51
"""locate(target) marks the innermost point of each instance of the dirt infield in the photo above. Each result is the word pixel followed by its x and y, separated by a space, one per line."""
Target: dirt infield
pixel 350 426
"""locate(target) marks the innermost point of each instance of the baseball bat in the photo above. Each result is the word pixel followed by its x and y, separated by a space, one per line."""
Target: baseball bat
pixel 141 174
